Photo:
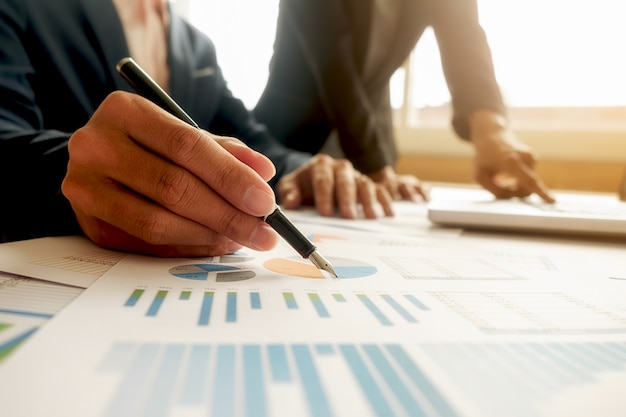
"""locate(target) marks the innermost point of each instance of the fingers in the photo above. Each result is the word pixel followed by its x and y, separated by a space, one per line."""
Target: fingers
pixel 255 160
pixel 517 179
pixel 326 182
pixel 409 188
pixel 349 184
pixel 192 149
pixel 385 200
pixel 153 185
pixel 323 183
pixel 103 206
pixel 400 187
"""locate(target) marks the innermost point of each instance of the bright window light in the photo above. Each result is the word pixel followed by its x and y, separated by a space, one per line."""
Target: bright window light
pixel 547 53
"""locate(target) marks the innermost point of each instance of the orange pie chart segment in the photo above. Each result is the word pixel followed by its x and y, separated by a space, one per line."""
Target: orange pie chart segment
pixel 298 268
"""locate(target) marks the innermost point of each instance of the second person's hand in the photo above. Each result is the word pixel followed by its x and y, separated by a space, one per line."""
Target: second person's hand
pixel 327 183
pixel 504 165
pixel 401 187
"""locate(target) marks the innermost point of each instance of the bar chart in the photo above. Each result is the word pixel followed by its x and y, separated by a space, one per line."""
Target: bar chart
pixel 96 262
pixel 534 379
pixel 261 380
pixel 450 268
pixel 383 309
pixel 26 304
pixel 532 312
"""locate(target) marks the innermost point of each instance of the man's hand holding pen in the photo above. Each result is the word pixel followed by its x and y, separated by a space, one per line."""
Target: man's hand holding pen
pixel 141 180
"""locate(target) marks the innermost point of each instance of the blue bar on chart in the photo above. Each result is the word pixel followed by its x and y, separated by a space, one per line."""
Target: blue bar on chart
pixel 387 309
pixel 26 313
pixel 279 368
pixel 157 302
pixel 536 373
pixel 7 346
pixel 398 308
pixel 380 316
pixel 290 300
pixel 255 300
pixel 164 382
pixel 370 387
pixel 195 382
pixel 137 374
pixel 205 310
pixel 159 380
pixel 416 302
pixel 134 297
pixel 435 399
pixel 231 307
pixel 339 298
pixel 311 383
pixel 224 388
pixel 318 304
pixel 254 387
pixel 383 365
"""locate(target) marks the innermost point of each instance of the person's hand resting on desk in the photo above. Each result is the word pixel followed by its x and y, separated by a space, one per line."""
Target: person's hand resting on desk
pixel 140 180
pixel 503 165
pixel 326 182
pixel 401 187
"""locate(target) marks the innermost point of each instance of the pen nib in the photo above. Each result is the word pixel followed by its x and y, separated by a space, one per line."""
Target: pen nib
pixel 322 263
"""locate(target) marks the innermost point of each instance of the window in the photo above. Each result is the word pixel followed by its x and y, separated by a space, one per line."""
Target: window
pixel 559 63
pixel 243 32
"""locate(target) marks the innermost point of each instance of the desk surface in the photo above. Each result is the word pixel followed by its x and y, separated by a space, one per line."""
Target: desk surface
pixel 422 321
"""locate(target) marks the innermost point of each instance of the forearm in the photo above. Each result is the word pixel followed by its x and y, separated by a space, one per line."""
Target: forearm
pixel 467 62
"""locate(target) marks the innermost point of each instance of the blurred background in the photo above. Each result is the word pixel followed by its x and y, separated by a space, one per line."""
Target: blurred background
pixel 559 63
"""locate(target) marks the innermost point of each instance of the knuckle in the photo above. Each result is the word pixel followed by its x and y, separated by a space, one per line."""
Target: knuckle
pixel 227 222
pixel 79 142
pixel 69 188
pixel 323 160
pixel 152 228
pixel 343 164
pixel 185 143
pixel 116 101
pixel 174 187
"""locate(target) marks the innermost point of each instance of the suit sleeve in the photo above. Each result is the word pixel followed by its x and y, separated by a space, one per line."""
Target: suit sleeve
pixel 314 79
pixel 234 119
pixel 33 160
pixel 215 108
pixel 466 60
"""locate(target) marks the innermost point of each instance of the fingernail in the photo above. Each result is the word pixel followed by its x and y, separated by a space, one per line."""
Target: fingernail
pixel 258 202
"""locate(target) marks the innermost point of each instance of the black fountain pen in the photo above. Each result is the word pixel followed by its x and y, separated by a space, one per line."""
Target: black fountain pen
pixel 144 85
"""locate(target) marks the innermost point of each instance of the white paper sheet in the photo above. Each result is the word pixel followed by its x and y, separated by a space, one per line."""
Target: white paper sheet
pixel 70 260
pixel 413 326
pixel 25 305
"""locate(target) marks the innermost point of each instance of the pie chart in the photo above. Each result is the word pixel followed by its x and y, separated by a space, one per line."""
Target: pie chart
pixel 300 267
pixel 211 272
pixel 232 258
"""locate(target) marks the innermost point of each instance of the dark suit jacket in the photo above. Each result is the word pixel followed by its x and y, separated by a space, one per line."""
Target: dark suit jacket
pixel 316 83
pixel 57 63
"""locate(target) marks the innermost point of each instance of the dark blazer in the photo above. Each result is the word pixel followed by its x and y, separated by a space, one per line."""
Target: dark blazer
pixel 57 64
pixel 316 82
